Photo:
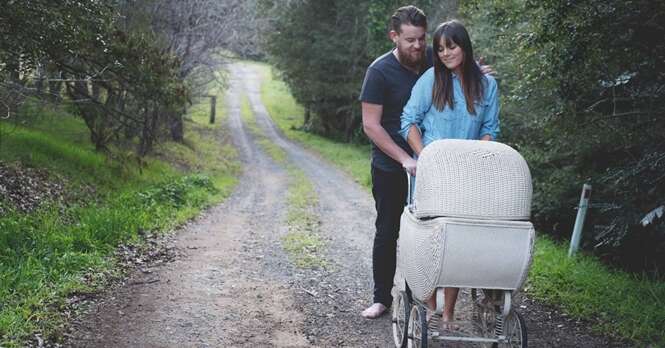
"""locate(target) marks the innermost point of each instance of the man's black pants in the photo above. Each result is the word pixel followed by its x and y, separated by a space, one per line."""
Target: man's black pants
pixel 389 190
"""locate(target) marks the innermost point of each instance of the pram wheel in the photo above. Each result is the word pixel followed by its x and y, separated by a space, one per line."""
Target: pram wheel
pixel 417 334
pixel 515 331
pixel 400 318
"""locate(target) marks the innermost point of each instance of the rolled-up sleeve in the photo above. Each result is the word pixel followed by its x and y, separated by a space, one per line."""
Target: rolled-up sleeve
pixel 418 104
pixel 491 118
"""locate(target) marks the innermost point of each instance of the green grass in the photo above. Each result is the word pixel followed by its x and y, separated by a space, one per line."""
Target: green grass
pixel 302 243
pixel 48 117
pixel 56 251
pixel 617 303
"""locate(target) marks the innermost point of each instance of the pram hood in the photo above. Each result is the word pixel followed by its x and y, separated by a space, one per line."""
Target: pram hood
pixel 472 179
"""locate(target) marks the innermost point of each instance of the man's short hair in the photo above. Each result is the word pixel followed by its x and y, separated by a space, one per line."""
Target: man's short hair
pixel 409 15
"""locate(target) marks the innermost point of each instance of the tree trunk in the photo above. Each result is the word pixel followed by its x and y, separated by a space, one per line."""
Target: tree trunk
pixel 148 133
pixel 352 126
pixel 213 108
pixel 177 126
pixel 55 87
pixel 15 90
pixel 308 118
pixel 41 76
pixel 96 91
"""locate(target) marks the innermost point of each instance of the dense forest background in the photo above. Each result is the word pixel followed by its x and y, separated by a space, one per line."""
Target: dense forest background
pixel 582 85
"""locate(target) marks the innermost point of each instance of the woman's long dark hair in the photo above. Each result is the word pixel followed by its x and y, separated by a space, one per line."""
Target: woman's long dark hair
pixel 471 79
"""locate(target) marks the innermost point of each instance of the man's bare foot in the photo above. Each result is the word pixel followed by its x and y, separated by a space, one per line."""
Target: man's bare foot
pixel 374 311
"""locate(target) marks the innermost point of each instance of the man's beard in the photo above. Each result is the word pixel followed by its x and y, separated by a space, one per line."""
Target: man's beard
pixel 411 62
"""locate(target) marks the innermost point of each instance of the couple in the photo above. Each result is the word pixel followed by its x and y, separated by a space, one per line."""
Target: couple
pixel 411 97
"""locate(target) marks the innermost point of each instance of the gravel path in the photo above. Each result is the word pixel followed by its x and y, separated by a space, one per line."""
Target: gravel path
pixel 231 284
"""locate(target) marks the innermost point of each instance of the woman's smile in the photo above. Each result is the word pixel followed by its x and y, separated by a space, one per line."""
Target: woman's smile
pixel 450 54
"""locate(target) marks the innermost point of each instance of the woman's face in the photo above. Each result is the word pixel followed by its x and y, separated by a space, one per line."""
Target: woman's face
pixel 451 56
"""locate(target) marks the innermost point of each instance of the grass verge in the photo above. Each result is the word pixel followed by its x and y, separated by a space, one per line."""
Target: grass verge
pixel 66 248
pixel 619 304
pixel 302 244
pixel 616 302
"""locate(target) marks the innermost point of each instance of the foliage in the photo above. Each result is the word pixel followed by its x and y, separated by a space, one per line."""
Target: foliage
pixel 617 303
pixel 175 193
pixel 583 99
pixel 121 82
pixel 322 50
pixel 129 67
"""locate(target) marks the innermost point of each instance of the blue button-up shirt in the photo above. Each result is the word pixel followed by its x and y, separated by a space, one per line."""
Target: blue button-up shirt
pixel 450 123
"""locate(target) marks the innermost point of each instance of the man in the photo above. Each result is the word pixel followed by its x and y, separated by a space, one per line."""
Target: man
pixel 385 91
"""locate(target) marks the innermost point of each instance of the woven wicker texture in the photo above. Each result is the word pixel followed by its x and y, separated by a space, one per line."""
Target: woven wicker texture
pixel 420 255
pixel 472 179
pixel 440 252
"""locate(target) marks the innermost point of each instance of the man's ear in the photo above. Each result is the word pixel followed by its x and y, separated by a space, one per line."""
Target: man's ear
pixel 393 36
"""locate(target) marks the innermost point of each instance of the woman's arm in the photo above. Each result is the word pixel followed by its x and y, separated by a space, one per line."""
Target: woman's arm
pixel 489 130
pixel 411 121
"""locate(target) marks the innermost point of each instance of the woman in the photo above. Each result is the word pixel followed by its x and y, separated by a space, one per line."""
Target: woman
pixel 451 100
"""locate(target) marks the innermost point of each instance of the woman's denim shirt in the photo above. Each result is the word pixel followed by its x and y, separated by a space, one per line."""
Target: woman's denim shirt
pixel 455 123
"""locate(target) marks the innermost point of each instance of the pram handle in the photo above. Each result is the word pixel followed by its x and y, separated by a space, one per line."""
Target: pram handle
pixel 410 180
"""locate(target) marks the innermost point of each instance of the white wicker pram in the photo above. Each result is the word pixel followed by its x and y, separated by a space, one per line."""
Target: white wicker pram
pixel 466 227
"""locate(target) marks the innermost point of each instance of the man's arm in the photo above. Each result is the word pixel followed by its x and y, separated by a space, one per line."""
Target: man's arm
pixel 485 69
pixel 375 131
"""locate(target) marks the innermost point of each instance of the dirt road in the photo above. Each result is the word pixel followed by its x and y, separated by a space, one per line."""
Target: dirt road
pixel 232 285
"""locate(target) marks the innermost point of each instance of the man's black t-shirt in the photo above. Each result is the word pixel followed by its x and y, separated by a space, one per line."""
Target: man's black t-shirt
pixel 388 83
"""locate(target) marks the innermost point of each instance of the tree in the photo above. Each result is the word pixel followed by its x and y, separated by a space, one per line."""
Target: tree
pixel 322 50
pixel 117 80
pixel 584 100
pixel 196 32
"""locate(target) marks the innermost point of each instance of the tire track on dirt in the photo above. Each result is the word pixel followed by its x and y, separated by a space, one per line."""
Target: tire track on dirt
pixel 347 224
pixel 218 292
pixel 231 284
pixel 347 216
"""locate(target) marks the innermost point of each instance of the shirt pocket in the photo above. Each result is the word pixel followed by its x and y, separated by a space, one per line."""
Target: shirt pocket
pixel 446 124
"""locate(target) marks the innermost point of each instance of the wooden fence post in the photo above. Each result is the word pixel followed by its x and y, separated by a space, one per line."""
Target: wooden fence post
pixel 579 220
pixel 213 108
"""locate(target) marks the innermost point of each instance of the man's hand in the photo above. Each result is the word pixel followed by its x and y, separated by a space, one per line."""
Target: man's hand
pixel 485 69
pixel 409 165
